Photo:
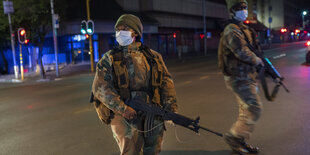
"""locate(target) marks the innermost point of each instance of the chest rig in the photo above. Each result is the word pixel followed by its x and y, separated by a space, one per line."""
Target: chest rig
pixel 122 79
pixel 225 56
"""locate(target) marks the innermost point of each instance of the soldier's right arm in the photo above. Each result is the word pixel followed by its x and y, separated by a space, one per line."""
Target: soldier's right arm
pixel 103 86
pixel 236 43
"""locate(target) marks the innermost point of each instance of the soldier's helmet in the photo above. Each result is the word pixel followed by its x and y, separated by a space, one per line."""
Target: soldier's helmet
pixel 232 3
pixel 131 21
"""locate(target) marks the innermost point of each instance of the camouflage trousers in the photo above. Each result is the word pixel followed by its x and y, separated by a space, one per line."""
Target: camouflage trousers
pixel 250 106
pixel 133 142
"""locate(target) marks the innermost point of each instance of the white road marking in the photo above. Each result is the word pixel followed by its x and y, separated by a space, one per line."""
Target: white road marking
pixel 204 77
pixel 187 82
pixel 279 56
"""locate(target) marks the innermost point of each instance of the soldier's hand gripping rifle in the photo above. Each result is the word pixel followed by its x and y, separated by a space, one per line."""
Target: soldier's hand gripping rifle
pixel 269 70
pixel 178 119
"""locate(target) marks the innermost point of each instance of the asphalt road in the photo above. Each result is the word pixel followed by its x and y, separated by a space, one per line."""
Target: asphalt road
pixel 55 117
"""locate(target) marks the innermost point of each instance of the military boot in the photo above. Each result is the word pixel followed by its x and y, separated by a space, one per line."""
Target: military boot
pixel 251 149
pixel 239 146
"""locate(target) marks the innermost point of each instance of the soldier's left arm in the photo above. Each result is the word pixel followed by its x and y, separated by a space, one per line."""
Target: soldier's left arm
pixel 167 92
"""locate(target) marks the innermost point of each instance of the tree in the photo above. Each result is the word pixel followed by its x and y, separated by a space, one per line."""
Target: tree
pixel 4 38
pixel 35 17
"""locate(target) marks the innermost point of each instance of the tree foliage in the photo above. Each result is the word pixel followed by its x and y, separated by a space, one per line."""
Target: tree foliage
pixel 35 17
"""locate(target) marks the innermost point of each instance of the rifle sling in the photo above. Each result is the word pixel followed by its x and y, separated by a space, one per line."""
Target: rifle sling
pixel 269 97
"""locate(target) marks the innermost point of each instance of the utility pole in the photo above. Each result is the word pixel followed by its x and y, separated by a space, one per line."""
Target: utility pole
pixel 269 21
pixel 204 28
pixel 8 9
pixel 55 37
pixel 90 39
pixel 303 21
pixel 304 13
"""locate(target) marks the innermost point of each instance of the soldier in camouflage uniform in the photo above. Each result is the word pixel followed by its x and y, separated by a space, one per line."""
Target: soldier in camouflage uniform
pixel 131 71
pixel 238 64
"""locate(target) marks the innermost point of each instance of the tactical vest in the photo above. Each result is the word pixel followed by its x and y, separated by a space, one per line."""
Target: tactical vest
pixel 224 56
pixel 121 81
pixel 121 77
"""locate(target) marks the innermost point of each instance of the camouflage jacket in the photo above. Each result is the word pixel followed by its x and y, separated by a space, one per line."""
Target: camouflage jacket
pixel 139 74
pixel 235 58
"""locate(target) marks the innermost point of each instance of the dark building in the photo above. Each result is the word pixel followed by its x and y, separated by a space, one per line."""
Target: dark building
pixel 170 27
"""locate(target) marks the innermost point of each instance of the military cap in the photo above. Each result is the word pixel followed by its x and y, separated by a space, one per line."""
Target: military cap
pixel 131 21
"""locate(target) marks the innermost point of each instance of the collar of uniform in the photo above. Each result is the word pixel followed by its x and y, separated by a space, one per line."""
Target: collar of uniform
pixel 132 47
pixel 243 26
pixel 239 23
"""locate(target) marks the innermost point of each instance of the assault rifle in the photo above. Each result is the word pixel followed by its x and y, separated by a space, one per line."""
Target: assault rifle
pixel 178 119
pixel 269 70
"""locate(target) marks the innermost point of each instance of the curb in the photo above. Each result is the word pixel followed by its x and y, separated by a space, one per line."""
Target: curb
pixel 10 81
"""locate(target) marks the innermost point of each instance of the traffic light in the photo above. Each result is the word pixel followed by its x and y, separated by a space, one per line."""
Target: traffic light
pixel 90 27
pixel 21 33
pixel 201 36
pixel 83 27
pixel 26 41
pixel 87 27
pixel 174 35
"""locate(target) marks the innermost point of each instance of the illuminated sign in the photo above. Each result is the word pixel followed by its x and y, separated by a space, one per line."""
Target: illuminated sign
pixel 79 37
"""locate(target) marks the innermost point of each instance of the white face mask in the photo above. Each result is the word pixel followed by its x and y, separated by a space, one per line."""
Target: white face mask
pixel 124 38
pixel 241 15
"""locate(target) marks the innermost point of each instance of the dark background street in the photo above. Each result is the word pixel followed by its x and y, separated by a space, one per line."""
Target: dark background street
pixel 55 117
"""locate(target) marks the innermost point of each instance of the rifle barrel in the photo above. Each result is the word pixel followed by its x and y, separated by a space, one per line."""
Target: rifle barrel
pixel 283 85
pixel 214 132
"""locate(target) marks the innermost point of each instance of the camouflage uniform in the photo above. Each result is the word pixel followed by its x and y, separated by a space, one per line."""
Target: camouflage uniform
pixel 130 140
pixel 238 62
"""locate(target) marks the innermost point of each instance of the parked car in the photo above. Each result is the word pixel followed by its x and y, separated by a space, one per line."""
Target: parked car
pixel 308 52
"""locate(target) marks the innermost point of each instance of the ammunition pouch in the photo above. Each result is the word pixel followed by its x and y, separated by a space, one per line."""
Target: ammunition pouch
pixel 121 75
pixel 104 113
pixel 157 78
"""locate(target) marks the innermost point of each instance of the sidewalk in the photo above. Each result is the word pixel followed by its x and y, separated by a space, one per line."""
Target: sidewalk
pixel 33 77
pixel 281 45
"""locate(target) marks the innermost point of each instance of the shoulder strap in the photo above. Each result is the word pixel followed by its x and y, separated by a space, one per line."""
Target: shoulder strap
pixel 156 69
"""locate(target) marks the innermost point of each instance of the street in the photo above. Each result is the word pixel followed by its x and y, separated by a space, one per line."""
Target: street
pixel 56 118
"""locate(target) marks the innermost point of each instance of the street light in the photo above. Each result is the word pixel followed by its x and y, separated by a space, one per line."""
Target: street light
pixel 304 13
